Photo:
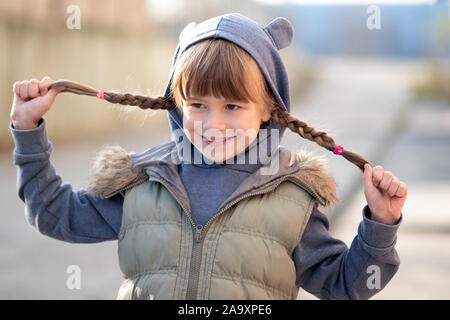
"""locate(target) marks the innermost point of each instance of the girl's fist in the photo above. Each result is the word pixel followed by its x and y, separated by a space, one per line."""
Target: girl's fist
pixel 32 100
pixel 385 194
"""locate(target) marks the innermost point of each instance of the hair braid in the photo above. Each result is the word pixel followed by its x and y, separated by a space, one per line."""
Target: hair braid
pixel 279 116
pixel 287 120
pixel 165 103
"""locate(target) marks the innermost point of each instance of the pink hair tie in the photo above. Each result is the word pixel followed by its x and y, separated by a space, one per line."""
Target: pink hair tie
pixel 101 94
pixel 338 150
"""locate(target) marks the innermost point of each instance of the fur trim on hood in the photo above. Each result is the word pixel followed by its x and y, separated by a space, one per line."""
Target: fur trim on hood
pixel 314 173
pixel 111 173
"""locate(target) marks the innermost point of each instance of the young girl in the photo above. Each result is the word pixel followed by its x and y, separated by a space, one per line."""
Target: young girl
pixel 222 211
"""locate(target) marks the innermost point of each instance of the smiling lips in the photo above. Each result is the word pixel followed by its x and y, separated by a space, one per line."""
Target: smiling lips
pixel 216 140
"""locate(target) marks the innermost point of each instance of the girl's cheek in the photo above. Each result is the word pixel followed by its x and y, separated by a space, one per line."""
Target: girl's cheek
pixel 189 125
pixel 242 141
pixel 188 131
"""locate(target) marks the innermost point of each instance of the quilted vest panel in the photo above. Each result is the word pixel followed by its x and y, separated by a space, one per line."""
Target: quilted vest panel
pixel 246 252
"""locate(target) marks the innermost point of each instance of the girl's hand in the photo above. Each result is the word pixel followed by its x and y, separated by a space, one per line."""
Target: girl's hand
pixel 385 194
pixel 32 100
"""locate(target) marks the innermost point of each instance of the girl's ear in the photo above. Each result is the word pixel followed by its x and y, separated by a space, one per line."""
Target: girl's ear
pixel 281 32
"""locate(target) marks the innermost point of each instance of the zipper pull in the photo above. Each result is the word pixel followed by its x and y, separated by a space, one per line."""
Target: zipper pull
pixel 198 232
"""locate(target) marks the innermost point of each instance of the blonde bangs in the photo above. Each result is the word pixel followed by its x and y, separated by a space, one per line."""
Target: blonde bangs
pixel 219 68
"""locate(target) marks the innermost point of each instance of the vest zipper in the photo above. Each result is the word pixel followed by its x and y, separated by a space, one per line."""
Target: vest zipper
pixel 199 231
pixel 198 244
pixel 194 268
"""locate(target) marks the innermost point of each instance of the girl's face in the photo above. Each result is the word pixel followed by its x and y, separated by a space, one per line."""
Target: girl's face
pixel 221 128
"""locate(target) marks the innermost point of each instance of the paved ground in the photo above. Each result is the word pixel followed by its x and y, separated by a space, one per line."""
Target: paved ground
pixel 411 139
pixel 420 157
pixel 363 104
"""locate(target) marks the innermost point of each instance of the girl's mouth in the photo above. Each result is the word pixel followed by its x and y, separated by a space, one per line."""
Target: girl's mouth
pixel 218 141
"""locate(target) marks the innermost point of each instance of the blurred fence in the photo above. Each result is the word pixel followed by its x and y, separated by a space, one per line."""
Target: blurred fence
pixel 102 60
pixel 103 57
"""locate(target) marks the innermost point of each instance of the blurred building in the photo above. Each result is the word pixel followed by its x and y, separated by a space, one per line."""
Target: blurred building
pixel 129 16
pixel 173 15
pixel 408 30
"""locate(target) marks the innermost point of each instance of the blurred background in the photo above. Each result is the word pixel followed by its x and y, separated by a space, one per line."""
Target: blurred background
pixel 374 75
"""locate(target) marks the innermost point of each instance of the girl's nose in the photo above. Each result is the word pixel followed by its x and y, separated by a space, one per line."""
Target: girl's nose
pixel 215 120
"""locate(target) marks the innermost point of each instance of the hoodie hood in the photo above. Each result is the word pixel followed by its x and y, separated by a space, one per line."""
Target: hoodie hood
pixel 263 44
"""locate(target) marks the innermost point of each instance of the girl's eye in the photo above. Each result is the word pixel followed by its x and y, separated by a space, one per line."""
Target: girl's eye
pixel 230 106
pixel 233 105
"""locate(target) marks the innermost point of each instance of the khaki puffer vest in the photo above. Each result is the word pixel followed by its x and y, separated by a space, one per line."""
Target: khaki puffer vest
pixel 243 252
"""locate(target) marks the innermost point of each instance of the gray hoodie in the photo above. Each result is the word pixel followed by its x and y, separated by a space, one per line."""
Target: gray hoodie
pixel 325 266
pixel 210 184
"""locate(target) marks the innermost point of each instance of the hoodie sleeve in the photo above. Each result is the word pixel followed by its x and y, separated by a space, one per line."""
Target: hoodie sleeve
pixel 328 269
pixel 52 207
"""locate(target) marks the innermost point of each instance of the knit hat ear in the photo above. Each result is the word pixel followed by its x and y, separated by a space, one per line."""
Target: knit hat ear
pixel 186 30
pixel 281 32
